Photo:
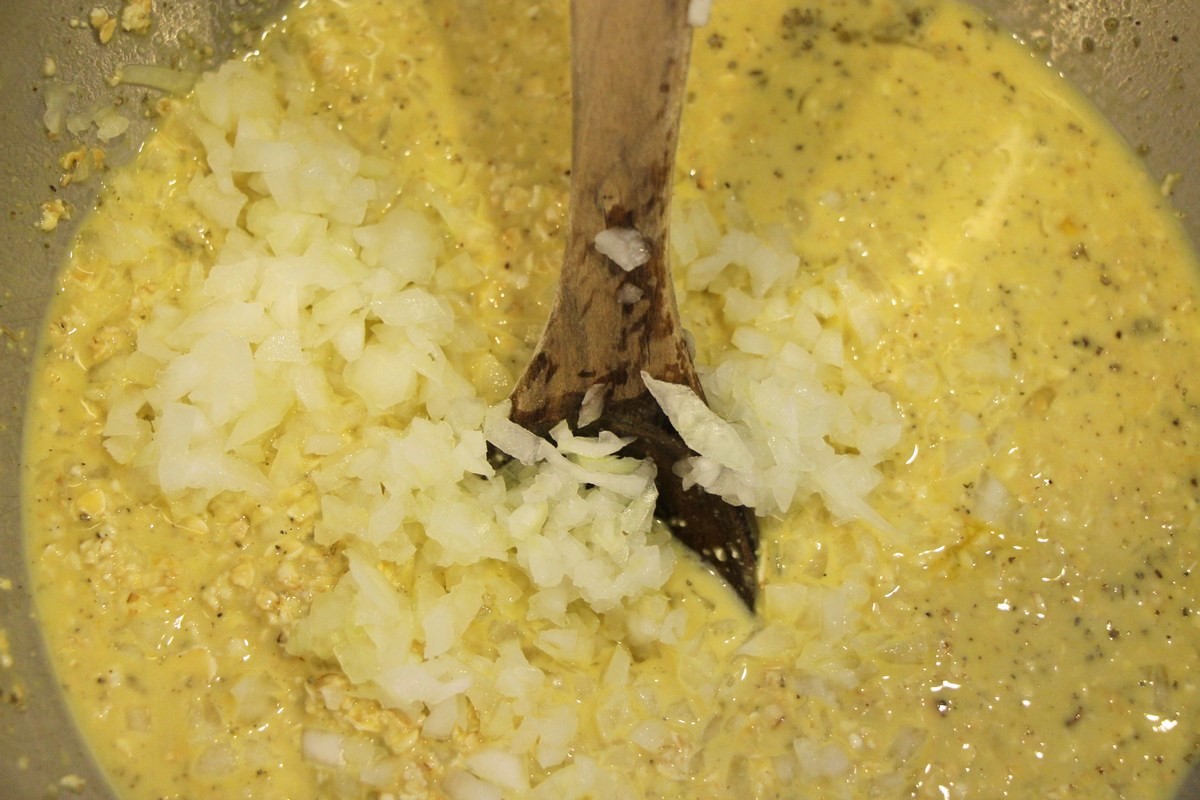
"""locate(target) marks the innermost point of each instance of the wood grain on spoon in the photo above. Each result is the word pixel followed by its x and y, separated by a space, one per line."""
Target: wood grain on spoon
pixel 629 70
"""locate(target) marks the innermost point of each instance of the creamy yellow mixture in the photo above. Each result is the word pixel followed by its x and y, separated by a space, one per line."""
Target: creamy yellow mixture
pixel 1027 627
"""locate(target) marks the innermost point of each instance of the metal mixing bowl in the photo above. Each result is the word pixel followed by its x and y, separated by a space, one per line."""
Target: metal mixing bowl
pixel 1137 60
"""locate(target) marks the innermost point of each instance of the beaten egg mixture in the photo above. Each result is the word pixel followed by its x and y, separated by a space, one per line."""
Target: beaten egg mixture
pixel 1024 625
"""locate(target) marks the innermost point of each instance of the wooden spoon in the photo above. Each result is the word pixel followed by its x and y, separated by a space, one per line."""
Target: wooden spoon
pixel 629 68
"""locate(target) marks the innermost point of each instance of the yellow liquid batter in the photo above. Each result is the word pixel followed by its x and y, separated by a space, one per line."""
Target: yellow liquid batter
pixel 1028 628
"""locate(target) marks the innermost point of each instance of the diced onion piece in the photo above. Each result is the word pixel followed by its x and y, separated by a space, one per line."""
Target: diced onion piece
pixel 992 503
pixel 820 759
pixel 462 785
pixel 499 768
pixel 698 12
pixel 154 76
pixel 109 123
pixel 701 429
pixel 57 96
pixel 624 246
pixel 509 437
pixel 628 294
pixel 592 405
pixel 323 747
pixel 606 443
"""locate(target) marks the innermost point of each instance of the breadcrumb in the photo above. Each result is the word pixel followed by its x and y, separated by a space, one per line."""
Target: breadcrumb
pixel 52 212
pixel 137 15
pixel 103 23
pixel 72 783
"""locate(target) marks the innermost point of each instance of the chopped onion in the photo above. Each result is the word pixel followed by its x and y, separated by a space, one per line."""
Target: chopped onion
pixel 462 785
pixel 153 76
pixel 57 96
pixel 624 246
pixel 326 350
pixel 323 747
pixel 701 429
pixel 698 12
pixel 499 768
pixel 592 405
pixel 628 294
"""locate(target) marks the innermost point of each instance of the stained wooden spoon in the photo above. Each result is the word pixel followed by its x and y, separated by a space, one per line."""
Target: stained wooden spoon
pixel 629 63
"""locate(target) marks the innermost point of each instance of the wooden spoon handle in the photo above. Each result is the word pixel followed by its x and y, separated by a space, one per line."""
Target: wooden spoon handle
pixel 626 111
pixel 629 71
